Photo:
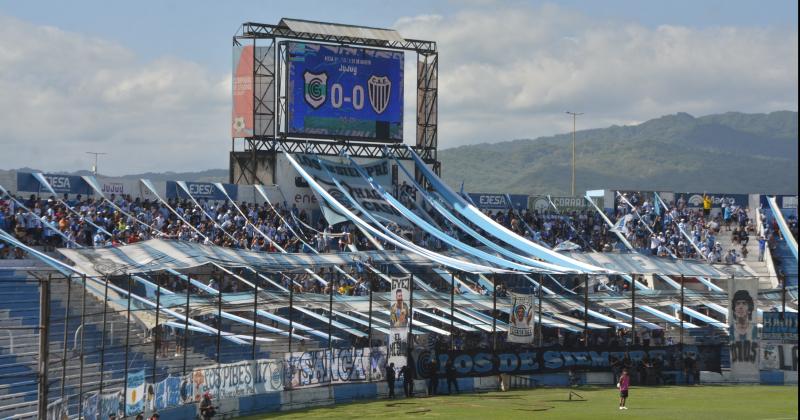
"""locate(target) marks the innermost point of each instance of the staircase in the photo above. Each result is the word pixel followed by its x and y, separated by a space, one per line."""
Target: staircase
pixel 767 279
pixel 19 308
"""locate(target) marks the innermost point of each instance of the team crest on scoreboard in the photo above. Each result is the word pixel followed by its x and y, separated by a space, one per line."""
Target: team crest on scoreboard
pixel 316 88
pixel 380 88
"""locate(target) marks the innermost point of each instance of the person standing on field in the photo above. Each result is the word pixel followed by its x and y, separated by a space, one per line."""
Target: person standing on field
pixel 623 384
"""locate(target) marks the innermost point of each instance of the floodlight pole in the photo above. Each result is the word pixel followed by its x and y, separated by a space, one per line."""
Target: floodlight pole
pixel 96 154
pixel 681 314
pixel 494 313
pixel 44 344
pixel 541 330
pixel 633 310
pixel 452 296
pixel 574 116
pixel 586 311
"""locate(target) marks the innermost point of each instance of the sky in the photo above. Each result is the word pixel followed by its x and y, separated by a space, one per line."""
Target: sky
pixel 149 82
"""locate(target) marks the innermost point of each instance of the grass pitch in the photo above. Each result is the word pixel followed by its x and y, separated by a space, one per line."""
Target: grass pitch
pixel 672 402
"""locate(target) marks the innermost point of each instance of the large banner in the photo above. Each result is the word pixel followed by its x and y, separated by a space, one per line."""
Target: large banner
pixel 61 184
pixel 333 366
pixel 242 91
pixel 564 204
pixel 521 319
pixel 134 401
pixel 778 326
pixel 695 200
pixel 399 315
pixel 345 92
pixel 777 356
pixel 743 328
pixel 499 201
pixel 202 191
pixel 357 187
pixel 236 379
pixel 471 363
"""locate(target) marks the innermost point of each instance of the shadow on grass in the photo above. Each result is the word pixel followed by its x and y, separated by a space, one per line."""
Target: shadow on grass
pixel 566 401
pixel 420 411
pixel 497 397
pixel 396 404
pixel 546 408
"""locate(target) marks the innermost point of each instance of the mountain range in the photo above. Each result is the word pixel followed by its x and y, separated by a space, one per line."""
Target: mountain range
pixel 724 153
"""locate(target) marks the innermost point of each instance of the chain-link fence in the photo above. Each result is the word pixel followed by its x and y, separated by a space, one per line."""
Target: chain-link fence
pixel 124 343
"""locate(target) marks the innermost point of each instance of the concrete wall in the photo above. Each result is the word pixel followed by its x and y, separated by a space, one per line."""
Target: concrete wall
pixel 345 393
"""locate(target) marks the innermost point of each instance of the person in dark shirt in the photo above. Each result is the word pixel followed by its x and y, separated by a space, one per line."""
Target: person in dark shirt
pixel 433 380
pixel 207 409
pixel 450 371
pixel 390 379
pixel 408 380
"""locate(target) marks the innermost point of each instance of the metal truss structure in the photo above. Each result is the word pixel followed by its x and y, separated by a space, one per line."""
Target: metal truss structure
pixel 270 97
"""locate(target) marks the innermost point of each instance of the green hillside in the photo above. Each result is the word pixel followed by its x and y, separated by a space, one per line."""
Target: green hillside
pixel 731 152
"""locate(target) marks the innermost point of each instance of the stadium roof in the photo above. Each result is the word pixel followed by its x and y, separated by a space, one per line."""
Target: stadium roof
pixel 338 29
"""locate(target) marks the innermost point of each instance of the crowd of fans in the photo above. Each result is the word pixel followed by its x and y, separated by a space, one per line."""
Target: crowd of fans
pixel 86 222
pixel 650 226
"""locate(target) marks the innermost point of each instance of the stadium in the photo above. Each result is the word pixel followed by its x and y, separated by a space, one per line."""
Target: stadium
pixel 336 266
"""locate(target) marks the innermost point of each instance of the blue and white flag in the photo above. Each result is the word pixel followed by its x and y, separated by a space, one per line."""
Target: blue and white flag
pixel 109 404
pixel 173 385
pixel 134 401
pixel 620 225
pixel 161 395
pixel 567 246
pixel 90 407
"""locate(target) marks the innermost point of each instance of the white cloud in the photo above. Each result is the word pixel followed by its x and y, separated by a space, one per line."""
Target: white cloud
pixel 506 72
pixel 511 73
pixel 65 94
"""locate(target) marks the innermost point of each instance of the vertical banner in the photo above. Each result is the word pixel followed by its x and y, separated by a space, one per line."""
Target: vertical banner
pixel 90 405
pixel 173 392
pixel 242 92
pixel 57 410
pixel 160 395
pixel 109 404
pixel 521 319
pixel 399 314
pixel 134 401
pixel 743 329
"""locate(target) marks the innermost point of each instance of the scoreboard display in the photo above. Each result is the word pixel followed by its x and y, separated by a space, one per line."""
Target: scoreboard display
pixel 344 92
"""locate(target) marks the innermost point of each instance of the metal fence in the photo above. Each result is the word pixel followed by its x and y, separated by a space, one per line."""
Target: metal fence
pixel 95 337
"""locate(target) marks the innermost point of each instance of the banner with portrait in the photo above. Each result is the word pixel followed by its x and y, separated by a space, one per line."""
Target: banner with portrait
pixel 399 315
pixel 743 328
pixel 520 320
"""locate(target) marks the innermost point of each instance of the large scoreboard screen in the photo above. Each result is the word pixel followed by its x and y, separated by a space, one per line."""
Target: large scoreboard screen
pixel 344 92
